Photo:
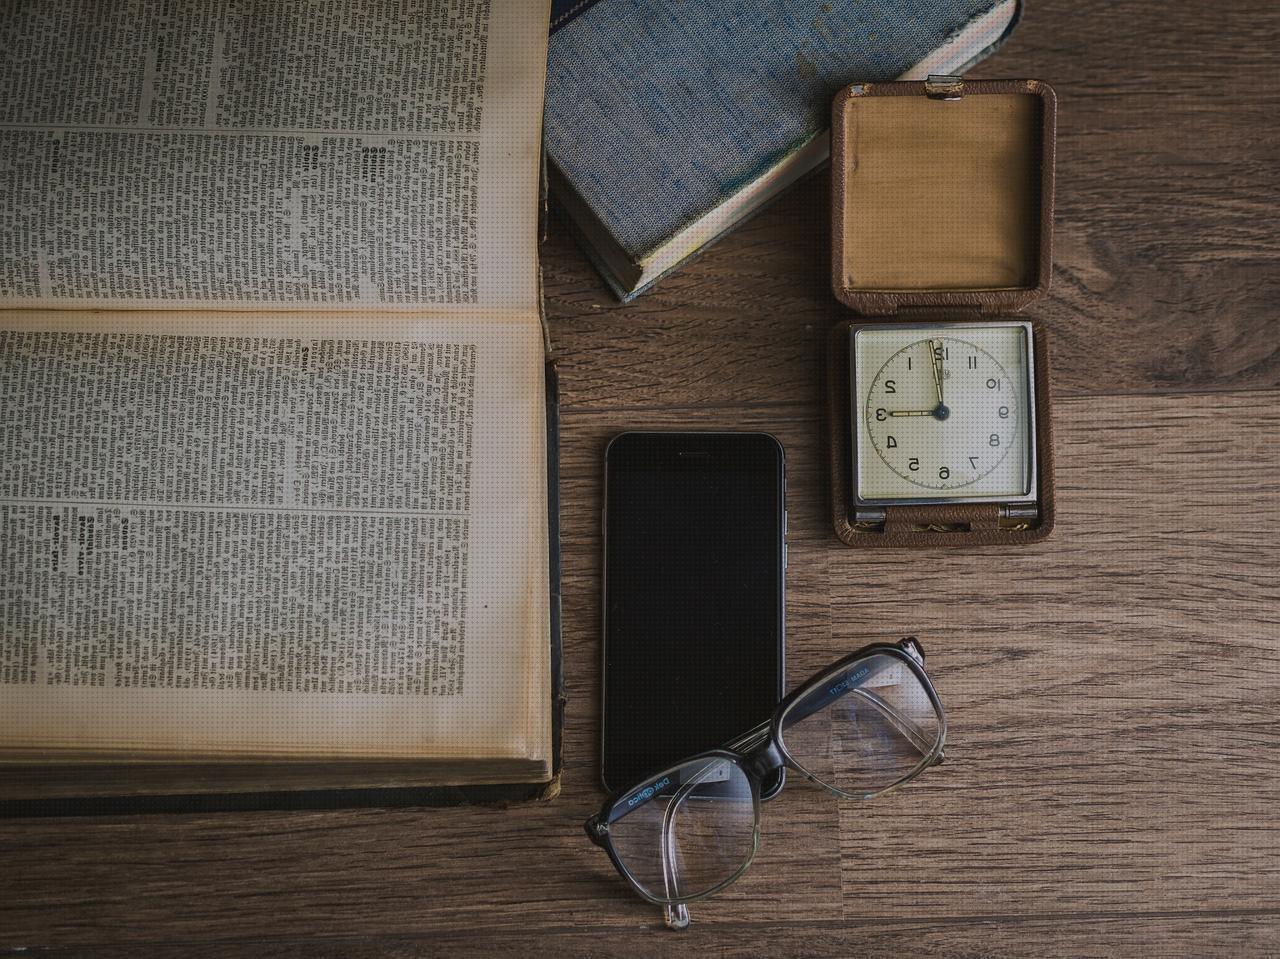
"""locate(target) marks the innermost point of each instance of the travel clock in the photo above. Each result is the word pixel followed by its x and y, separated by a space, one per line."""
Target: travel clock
pixel 938 393
pixel 942 414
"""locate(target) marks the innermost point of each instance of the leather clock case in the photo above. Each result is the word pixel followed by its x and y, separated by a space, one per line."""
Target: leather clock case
pixel 942 210
pixel 948 524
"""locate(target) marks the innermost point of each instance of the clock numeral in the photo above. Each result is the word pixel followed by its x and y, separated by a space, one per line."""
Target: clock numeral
pixel 908 364
pixel 914 465
pixel 973 462
pixel 892 444
pixel 890 386
pixel 994 440
pixel 942 352
pixel 993 384
pixel 882 414
pixel 973 362
pixel 1004 412
pixel 944 473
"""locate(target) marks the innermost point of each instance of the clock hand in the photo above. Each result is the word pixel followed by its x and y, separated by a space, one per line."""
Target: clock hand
pixel 935 358
pixel 939 412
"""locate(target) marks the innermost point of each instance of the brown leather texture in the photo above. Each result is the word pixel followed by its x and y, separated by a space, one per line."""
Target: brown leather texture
pixel 1001 120
pixel 947 524
pixel 976 516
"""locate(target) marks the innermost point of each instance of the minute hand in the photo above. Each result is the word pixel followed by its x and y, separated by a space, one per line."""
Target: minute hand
pixel 911 412
pixel 935 357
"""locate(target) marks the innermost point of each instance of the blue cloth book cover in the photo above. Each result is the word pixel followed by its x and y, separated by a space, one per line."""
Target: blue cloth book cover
pixel 668 124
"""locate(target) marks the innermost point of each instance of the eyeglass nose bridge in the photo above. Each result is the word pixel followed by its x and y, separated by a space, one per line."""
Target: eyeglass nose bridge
pixel 765 760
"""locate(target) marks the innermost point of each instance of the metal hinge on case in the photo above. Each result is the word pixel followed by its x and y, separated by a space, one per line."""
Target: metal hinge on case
pixel 943 87
pixel 1012 516
pixel 867 517
pixel 1019 516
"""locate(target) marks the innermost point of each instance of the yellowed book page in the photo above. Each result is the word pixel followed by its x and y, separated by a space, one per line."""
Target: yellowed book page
pixel 274 535
pixel 289 155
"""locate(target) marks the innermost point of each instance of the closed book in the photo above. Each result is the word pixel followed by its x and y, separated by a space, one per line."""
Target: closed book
pixel 668 124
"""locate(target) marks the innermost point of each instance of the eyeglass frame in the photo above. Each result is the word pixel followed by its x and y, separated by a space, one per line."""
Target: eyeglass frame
pixel 761 752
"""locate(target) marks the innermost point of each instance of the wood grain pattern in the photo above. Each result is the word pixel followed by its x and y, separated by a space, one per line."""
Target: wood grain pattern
pixel 1112 782
pixel 1240 934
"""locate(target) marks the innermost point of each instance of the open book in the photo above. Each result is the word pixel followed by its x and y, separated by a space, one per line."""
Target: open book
pixel 274 497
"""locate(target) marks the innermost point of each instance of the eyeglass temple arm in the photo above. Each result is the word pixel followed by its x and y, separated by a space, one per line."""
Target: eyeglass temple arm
pixel 910 729
pixel 676 915
pixel 805 709
pixel 756 737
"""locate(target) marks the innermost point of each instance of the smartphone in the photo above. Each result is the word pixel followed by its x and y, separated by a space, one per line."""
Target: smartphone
pixel 694 570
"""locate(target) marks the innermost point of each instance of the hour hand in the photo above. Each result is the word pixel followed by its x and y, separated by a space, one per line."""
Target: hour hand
pixel 939 412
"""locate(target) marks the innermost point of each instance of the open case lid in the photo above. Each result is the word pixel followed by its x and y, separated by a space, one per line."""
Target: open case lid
pixel 942 194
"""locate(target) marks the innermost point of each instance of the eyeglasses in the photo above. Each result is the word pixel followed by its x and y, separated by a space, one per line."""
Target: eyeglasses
pixel 858 728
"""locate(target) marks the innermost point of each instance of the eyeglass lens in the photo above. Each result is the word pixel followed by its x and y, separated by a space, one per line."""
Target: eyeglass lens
pixel 688 830
pixel 863 729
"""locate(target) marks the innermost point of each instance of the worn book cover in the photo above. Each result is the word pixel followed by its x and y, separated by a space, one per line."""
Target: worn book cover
pixel 668 124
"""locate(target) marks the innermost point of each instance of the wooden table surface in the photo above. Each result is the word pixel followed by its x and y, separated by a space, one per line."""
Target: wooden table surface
pixel 1112 785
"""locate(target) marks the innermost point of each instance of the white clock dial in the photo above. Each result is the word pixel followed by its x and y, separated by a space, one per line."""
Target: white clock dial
pixel 942 412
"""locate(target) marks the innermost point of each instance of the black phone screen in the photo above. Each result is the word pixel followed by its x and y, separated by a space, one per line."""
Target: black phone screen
pixel 693 614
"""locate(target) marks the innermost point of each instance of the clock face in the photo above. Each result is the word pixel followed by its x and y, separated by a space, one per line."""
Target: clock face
pixel 943 412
